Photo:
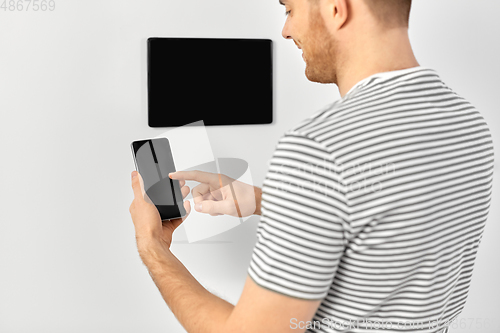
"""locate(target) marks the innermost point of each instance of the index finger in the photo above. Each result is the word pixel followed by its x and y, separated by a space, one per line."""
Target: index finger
pixel 209 178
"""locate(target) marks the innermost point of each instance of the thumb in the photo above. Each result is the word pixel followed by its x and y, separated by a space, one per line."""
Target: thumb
pixel 213 207
pixel 137 185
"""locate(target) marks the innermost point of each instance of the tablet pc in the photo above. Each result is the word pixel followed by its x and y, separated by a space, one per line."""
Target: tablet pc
pixel 221 81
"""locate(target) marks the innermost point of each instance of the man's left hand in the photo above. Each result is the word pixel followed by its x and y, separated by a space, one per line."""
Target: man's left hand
pixel 149 228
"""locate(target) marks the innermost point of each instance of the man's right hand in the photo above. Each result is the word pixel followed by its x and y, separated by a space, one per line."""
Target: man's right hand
pixel 218 194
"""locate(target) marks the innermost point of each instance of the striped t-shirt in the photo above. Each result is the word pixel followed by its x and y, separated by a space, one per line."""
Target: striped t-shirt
pixel 376 204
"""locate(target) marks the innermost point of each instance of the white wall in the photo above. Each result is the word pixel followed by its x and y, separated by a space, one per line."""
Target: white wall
pixel 73 97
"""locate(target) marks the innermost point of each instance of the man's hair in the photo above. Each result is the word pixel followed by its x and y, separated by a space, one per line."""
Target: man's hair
pixel 390 13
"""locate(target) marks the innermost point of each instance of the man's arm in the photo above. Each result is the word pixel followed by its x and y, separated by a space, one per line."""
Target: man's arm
pixel 196 308
pixel 258 200
pixel 199 311
pixel 258 309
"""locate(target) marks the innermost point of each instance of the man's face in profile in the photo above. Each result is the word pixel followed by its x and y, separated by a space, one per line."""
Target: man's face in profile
pixel 306 26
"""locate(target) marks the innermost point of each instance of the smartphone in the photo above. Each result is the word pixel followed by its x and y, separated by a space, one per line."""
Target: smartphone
pixel 154 161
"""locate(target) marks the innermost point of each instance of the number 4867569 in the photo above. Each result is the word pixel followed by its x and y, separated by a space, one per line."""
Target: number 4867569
pixel 28 5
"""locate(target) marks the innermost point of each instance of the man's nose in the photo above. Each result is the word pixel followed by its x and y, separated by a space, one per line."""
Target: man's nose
pixel 286 32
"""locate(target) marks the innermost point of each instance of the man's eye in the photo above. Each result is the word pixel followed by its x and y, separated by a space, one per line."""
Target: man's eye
pixel 288 12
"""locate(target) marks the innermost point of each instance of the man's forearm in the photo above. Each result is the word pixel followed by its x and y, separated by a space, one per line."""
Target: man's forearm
pixel 195 308
pixel 258 200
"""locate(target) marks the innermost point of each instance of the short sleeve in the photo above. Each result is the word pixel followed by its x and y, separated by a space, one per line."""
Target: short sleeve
pixel 300 236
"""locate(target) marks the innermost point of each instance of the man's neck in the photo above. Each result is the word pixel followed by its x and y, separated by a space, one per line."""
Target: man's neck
pixel 395 53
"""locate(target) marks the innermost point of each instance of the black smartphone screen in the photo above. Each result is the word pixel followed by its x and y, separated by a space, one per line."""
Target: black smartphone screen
pixel 154 161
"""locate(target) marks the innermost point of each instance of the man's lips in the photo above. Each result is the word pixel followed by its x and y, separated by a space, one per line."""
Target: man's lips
pixel 300 49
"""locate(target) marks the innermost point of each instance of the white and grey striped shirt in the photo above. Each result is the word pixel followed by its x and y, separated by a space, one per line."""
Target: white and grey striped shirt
pixel 376 204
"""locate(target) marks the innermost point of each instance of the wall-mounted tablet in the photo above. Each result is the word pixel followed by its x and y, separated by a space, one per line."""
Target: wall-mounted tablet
pixel 218 80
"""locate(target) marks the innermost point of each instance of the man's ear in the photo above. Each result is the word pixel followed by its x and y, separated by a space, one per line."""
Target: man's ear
pixel 339 11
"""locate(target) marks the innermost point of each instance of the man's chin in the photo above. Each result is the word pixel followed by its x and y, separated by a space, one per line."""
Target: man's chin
pixel 315 77
pixel 311 75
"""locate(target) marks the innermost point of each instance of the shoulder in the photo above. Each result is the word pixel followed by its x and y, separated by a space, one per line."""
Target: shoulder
pixel 321 127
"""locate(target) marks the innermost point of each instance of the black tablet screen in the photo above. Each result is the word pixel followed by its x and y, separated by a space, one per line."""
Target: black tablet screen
pixel 219 81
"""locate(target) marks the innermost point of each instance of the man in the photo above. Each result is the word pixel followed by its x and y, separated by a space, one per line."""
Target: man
pixel 373 208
